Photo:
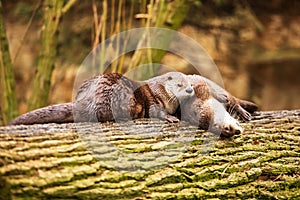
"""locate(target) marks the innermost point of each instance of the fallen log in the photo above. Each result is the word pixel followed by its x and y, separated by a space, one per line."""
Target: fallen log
pixel 152 159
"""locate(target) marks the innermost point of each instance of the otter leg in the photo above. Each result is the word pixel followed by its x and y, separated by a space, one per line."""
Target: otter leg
pixel 240 111
pixel 249 106
pixel 171 118
pixel 159 112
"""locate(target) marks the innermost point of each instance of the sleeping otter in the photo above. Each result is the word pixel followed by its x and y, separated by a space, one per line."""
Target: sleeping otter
pixel 211 107
pixel 113 96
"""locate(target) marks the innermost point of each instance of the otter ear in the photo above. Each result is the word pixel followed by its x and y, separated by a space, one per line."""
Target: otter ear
pixel 170 78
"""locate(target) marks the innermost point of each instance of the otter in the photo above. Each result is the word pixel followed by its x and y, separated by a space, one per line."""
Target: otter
pixel 233 105
pixel 115 97
pixel 170 96
pixel 59 113
pixel 112 96
pixel 211 107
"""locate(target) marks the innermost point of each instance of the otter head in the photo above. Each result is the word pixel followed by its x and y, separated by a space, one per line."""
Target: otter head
pixel 172 88
pixel 208 113
pixel 221 121
pixel 177 85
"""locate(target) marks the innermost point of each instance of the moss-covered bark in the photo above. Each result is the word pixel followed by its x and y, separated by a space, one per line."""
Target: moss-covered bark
pixel 53 161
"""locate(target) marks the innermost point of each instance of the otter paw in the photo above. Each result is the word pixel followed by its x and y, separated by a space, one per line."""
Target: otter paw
pixel 171 119
pixel 246 116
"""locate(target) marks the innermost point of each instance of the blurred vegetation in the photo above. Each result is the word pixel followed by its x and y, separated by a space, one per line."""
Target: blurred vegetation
pixel 235 33
pixel 8 106
pixel 113 19
pixel 117 16
pixel 52 12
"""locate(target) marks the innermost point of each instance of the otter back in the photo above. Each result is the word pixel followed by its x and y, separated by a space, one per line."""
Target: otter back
pixel 113 96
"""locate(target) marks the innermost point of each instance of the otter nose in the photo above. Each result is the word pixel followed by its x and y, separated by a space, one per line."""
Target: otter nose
pixel 189 90
pixel 237 132
pixel 230 130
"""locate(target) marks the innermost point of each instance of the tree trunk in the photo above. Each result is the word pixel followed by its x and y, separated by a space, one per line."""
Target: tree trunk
pixel 8 101
pixel 52 11
pixel 154 160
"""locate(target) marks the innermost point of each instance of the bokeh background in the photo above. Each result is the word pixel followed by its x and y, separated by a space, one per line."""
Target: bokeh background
pixel 255 44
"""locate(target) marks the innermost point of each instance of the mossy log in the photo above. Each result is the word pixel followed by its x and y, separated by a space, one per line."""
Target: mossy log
pixel 152 159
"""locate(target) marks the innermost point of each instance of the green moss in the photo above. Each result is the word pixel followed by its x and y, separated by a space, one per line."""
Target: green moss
pixel 5 189
pixel 258 165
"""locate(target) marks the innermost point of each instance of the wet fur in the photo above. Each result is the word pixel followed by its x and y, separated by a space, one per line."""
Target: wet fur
pixel 233 105
pixel 112 96
pixel 212 106
pixel 60 113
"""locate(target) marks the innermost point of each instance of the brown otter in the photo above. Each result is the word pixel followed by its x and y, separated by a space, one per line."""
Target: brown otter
pixel 232 104
pixel 207 108
pixel 59 113
pixel 113 96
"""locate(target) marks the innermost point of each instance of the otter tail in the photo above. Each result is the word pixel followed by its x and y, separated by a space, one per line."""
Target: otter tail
pixel 60 113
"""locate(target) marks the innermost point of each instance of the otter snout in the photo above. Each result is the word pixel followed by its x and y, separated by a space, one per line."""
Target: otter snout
pixel 230 126
pixel 222 122
pixel 231 129
pixel 189 90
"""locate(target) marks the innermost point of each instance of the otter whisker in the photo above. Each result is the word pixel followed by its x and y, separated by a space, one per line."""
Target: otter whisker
pixel 232 108
pixel 172 99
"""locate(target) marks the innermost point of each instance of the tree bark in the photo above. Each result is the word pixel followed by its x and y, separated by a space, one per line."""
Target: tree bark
pixel 56 161
pixel 8 101
pixel 52 11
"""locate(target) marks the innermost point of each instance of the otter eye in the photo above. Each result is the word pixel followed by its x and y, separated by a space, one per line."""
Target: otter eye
pixel 169 78
pixel 179 85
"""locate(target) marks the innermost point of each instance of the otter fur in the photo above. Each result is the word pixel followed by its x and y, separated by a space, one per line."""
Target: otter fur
pixel 173 95
pixel 113 96
pixel 211 107
pixel 116 97
pixel 233 105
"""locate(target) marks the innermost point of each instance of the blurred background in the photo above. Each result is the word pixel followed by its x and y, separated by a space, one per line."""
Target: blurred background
pixel 255 44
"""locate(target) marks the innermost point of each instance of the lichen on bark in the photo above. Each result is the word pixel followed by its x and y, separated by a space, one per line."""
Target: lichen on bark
pixel 54 161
